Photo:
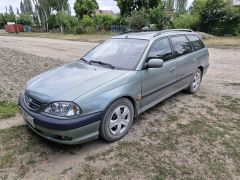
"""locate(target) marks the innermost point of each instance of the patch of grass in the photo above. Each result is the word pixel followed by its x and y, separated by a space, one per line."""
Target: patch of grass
pixel 65 171
pixel 199 96
pixel 172 118
pixel 6 160
pixel 229 103
pixel 23 171
pixel 87 173
pixel 8 109
pixel 223 42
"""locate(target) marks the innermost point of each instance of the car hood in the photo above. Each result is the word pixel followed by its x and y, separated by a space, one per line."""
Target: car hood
pixel 69 82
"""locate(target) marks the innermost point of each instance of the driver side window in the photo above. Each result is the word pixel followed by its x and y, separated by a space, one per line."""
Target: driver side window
pixel 161 49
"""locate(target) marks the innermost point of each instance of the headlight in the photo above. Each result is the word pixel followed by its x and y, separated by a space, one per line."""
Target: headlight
pixel 62 109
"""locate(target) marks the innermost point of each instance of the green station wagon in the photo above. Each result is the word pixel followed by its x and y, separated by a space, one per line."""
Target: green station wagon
pixel 100 94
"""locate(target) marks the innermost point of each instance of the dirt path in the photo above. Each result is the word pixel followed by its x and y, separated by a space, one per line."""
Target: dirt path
pixel 54 48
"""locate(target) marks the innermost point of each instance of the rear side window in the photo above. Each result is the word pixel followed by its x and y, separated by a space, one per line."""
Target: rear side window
pixel 161 49
pixel 181 45
pixel 196 42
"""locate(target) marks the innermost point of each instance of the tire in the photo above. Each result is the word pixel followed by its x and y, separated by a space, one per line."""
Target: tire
pixel 195 82
pixel 117 120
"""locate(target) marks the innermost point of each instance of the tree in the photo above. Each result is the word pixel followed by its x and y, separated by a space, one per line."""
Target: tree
pixel 211 15
pixel 22 7
pixel 169 5
pixel 85 7
pixel 185 21
pixel 103 21
pixel 158 16
pixel 138 19
pixel 11 12
pixel 27 6
pixel 181 6
pixel 128 6
pixel 18 11
pixel 25 19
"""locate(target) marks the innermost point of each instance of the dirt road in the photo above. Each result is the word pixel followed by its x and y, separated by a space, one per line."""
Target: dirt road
pixel 188 136
pixel 58 49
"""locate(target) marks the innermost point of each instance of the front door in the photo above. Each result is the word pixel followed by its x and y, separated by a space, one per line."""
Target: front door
pixel 157 83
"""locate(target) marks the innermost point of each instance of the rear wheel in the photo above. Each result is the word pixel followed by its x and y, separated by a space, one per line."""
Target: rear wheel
pixel 195 82
pixel 117 120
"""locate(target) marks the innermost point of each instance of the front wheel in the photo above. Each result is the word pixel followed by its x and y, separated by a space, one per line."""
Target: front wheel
pixel 117 120
pixel 195 82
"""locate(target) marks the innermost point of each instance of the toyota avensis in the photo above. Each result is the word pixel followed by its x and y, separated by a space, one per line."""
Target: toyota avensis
pixel 100 94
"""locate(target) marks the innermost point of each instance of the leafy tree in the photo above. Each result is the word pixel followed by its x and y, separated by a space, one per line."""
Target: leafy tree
pixel 87 22
pixel 211 15
pixel 27 6
pixel 103 21
pixel 25 19
pixel 85 7
pixel 187 21
pixel 169 5
pixel 128 6
pixel 138 19
pixel 158 16
pixel 67 22
pixel 181 6
pixel 2 20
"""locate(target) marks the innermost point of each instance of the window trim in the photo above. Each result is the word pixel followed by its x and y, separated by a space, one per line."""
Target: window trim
pixel 171 36
pixel 166 37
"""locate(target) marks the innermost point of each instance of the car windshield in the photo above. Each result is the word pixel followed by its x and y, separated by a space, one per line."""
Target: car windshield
pixel 119 53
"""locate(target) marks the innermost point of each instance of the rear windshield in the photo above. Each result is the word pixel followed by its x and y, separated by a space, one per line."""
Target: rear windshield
pixel 120 53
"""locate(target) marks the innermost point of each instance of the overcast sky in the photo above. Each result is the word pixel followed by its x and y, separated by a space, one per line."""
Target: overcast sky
pixel 103 4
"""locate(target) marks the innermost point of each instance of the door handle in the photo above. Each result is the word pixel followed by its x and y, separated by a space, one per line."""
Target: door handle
pixel 173 69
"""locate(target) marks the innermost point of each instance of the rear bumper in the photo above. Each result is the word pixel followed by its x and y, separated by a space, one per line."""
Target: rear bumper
pixel 65 131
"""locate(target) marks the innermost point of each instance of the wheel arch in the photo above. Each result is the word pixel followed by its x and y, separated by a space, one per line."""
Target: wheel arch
pixel 130 98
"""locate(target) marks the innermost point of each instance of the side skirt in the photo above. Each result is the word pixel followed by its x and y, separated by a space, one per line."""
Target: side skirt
pixel 160 100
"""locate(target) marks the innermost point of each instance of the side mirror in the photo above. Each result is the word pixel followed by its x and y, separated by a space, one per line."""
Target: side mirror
pixel 154 63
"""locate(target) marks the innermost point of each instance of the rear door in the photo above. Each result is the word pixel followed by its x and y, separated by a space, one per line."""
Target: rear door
pixel 185 60
pixel 158 82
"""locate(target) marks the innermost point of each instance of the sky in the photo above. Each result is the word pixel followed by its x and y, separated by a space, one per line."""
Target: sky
pixel 103 4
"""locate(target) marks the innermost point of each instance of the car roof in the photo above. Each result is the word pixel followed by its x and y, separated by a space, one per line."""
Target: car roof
pixel 148 35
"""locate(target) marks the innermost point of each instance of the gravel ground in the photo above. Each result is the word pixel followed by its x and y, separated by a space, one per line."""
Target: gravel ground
pixel 17 68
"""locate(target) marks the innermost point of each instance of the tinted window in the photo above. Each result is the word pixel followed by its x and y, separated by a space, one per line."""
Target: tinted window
pixel 196 42
pixel 181 45
pixel 161 49
pixel 121 53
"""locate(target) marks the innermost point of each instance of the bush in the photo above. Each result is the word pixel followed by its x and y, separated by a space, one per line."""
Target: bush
pixel 138 19
pixel 103 21
pixel 159 17
pixel 87 23
pixel 186 21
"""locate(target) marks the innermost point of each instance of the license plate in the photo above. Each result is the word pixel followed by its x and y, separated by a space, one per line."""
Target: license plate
pixel 27 117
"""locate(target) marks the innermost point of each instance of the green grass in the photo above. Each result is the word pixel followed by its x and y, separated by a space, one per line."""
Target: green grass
pixel 223 42
pixel 8 109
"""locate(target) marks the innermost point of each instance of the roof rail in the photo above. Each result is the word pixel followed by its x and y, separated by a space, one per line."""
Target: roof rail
pixel 169 30
pixel 125 32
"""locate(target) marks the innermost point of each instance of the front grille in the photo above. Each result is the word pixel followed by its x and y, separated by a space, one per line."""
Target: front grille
pixel 32 103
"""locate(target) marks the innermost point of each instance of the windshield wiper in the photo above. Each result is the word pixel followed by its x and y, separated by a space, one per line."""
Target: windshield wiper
pixel 86 61
pixel 103 63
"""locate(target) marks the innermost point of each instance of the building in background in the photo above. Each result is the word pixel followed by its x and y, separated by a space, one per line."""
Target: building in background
pixel 105 12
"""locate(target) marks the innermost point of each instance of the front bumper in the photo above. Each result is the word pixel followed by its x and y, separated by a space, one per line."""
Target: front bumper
pixel 65 131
